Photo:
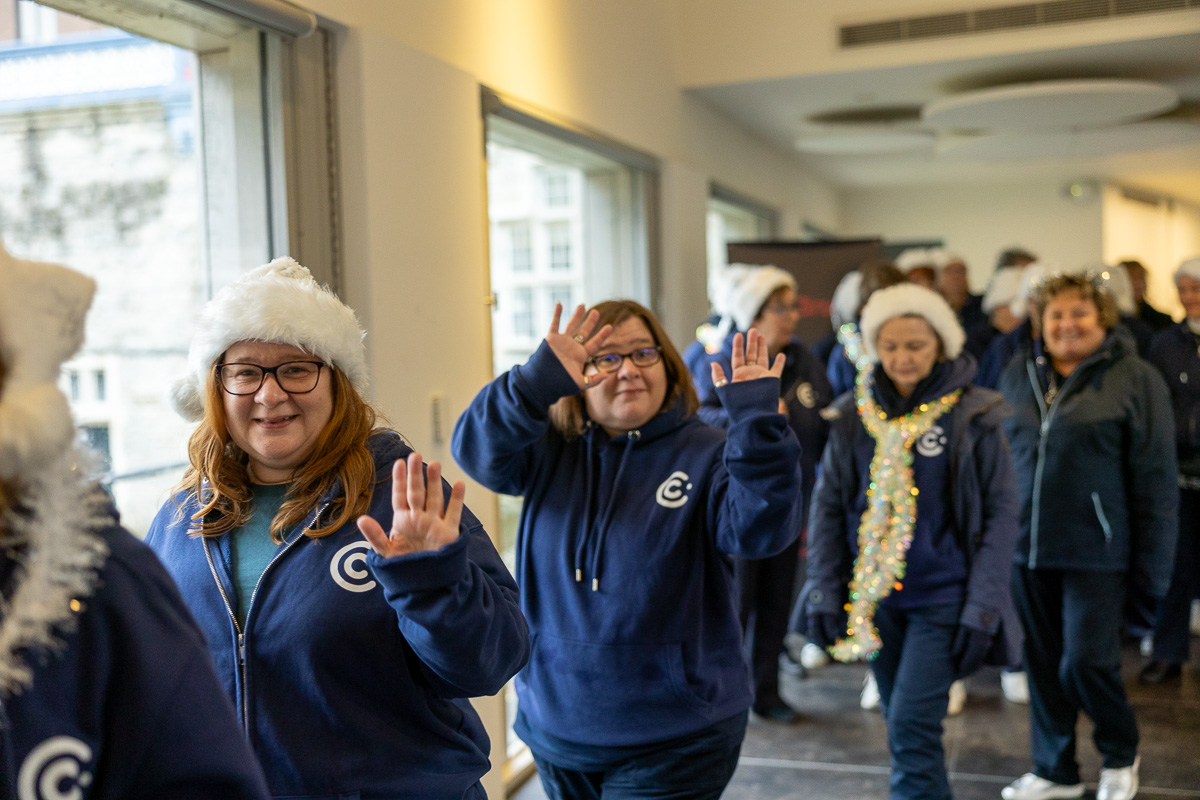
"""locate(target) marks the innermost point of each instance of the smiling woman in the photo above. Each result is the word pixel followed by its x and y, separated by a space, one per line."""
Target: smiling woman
pixel 633 509
pixel 296 501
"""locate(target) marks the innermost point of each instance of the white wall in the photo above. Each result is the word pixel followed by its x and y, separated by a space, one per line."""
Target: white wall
pixel 1158 235
pixel 978 221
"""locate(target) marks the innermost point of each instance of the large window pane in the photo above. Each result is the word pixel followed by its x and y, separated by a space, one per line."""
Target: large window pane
pixel 142 165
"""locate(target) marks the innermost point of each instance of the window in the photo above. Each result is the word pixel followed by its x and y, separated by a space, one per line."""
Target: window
pixel 732 218
pixel 557 188
pixel 522 311
pixel 522 246
pixel 161 172
pixel 559 236
pixel 560 294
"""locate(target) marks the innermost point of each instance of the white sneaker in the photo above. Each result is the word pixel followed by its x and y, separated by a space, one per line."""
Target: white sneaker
pixel 869 699
pixel 1032 787
pixel 813 656
pixel 1015 686
pixel 1120 783
pixel 958 699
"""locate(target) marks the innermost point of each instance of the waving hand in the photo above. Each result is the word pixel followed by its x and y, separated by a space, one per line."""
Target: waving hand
pixel 419 521
pixel 751 363
pixel 578 343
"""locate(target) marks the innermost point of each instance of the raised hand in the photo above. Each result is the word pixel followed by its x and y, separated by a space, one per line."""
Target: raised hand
pixel 578 343
pixel 751 363
pixel 419 522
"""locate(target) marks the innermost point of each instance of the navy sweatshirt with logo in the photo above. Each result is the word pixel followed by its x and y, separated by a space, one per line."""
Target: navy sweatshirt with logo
pixel 623 554
pixel 352 672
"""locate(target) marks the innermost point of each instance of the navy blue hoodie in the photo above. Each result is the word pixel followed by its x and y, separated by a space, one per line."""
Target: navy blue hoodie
pixel 355 680
pixel 128 708
pixel 645 645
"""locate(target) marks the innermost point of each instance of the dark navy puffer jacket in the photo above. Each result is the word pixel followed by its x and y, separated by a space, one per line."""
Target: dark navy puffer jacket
pixel 981 513
pixel 352 673
pixel 128 708
pixel 624 551
pixel 1096 468
pixel 1174 352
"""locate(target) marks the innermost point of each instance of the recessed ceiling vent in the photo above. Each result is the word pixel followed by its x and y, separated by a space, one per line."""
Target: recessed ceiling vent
pixel 999 18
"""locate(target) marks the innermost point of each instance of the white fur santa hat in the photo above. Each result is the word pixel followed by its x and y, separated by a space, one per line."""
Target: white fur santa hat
pixel 1190 268
pixel 910 300
pixel 280 303
pixel 916 258
pixel 843 306
pixel 42 310
pixel 1031 279
pixel 1003 288
pixel 745 288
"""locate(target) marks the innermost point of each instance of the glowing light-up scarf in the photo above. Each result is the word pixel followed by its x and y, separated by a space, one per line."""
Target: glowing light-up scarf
pixel 886 530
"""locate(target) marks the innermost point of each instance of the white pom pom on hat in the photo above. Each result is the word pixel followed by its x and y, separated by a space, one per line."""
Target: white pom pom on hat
pixel 42 312
pixel 745 288
pixel 280 303
pixel 910 300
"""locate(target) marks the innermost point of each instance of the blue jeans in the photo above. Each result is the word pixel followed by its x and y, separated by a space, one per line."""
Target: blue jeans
pixel 914 670
pixel 695 767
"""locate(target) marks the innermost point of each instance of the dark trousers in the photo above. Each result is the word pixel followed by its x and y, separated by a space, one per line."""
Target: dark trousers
pixel 1171 636
pixel 696 767
pixel 914 670
pixel 1072 626
pixel 764 601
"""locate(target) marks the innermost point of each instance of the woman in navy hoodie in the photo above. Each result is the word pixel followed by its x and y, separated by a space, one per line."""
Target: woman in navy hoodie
pixel 633 511
pixel 350 659
pixel 106 689
pixel 913 526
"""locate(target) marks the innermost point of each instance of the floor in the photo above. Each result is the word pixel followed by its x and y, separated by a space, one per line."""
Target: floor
pixel 839 751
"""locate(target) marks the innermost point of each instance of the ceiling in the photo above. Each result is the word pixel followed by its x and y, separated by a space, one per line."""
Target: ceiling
pixel 1163 158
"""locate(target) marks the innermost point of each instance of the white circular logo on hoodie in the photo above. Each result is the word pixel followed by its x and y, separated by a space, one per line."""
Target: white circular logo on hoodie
pixel 672 492
pixel 54 770
pixel 349 568
pixel 932 442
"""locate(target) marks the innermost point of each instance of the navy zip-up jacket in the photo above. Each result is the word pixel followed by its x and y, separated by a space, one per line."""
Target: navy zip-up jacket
pixel 1174 352
pixel 357 668
pixel 1096 469
pixel 128 708
pixel 623 555
pixel 975 486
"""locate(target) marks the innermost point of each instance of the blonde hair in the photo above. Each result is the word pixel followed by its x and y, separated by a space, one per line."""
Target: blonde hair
pixel 566 415
pixel 219 478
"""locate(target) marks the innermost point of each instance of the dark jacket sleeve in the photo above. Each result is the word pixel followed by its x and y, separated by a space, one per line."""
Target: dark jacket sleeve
pixel 755 503
pixel 830 562
pixel 1152 478
pixel 711 410
pixel 174 732
pixel 458 609
pixel 988 585
pixel 1163 350
pixel 496 440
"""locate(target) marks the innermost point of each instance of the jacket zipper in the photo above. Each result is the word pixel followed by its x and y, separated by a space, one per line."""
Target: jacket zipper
pixel 241 635
pixel 1100 515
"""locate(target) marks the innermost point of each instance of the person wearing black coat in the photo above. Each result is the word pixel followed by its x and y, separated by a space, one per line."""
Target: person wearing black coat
pixel 1175 353
pixel 1092 448
pixel 912 528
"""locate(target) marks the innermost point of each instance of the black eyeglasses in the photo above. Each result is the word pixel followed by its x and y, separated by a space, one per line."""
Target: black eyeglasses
pixel 611 362
pixel 294 377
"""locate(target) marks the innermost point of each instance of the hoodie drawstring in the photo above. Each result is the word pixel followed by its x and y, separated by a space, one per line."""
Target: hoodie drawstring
pixel 600 527
pixel 581 542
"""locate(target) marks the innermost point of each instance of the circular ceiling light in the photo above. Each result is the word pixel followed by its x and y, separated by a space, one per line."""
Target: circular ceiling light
pixel 1136 137
pixel 1051 104
pixel 863 140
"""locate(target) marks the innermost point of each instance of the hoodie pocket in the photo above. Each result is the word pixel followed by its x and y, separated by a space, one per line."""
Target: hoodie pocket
pixel 1104 526
pixel 607 690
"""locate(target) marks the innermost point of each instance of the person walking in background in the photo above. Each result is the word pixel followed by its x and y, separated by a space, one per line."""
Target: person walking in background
pixel 106 688
pixel 350 659
pixel 954 285
pixel 1147 313
pixel 874 274
pixel 1001 350
pixel 1175 353
pixel 997 304
pixel 912 528
pixel 634 509
pixel 919 265
pixel 1092 448
pixel 764 298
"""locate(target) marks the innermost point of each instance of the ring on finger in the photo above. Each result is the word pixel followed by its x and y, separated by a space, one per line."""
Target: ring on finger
pixel 587 381
pixel 578 337
pixel 720 383
pixel 751 363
